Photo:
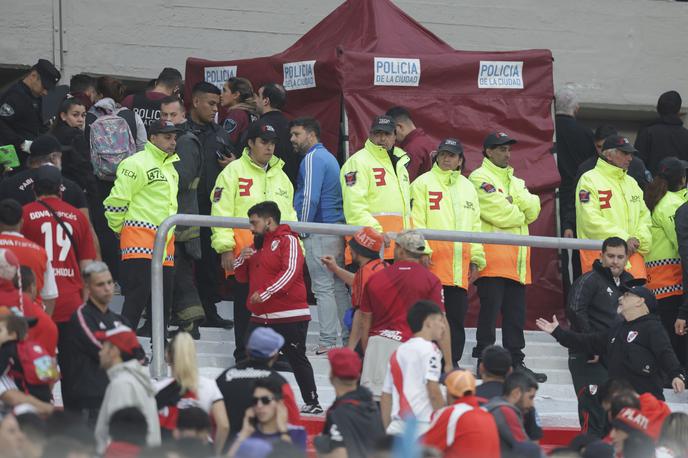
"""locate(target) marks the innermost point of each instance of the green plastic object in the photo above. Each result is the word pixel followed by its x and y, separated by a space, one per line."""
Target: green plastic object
pixel 8 156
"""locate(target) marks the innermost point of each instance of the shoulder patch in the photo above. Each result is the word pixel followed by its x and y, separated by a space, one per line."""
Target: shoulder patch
pixel 350 178
pixel 487 187
pixel 230 125
pixel 217 194
pixel 584 196
pixel 6 110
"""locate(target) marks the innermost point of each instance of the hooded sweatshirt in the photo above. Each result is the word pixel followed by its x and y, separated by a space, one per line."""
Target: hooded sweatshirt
pixel 130 386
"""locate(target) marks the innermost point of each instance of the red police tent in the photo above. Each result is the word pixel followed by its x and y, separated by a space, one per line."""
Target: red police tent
pixel 369 55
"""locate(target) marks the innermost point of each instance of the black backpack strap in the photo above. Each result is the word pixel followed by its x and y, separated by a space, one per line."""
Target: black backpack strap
pixel 130 117
pixel 63 225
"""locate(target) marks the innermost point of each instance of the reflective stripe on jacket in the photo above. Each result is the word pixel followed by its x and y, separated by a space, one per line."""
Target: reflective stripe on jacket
pixel 375 193
pixel 446 200
pixel 143 196
pixel 494 185
pixel 609 203
pixel 663 262
pixel 241 185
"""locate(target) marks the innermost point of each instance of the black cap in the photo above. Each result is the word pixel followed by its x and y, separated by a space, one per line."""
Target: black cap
pixel 45 145
pixel 163 127
pixel 636 288
pixel 672 168
pixel 48 73
pixel 451 145
pixel 48 175
pixel 618 142
pixel 383 124
pixel 263 130
pixel 494 139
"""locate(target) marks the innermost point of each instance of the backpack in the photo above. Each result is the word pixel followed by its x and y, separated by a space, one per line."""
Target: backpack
pixel 111 142
pixel 38 367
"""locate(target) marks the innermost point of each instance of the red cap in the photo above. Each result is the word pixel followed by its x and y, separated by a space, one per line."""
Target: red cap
pixel 121 337
pixel 344 363
pixel 630 419
pixel 369 239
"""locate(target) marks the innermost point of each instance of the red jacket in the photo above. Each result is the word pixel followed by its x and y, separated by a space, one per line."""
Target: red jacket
pixel 275 271
pixel 655 411
pixel 464 429
pixel 419 147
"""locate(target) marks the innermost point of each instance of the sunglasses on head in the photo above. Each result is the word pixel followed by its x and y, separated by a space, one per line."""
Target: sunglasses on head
pixel 265 400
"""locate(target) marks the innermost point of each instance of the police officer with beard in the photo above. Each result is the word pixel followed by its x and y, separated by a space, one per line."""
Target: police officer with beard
pixel 20 108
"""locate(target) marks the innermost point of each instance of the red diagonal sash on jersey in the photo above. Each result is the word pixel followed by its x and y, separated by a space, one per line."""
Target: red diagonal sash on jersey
pixel 398 380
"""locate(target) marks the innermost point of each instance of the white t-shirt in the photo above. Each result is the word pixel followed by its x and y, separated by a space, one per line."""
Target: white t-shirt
pixel 420 361
pixel 208 392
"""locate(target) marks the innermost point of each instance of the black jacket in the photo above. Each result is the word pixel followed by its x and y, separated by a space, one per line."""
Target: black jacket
pixel 575 144
pixel 76 161
pixel 352 422
pixel 20 188
pixel 284 149
pixel 83 380
pixel 214 139
pixel 665 137
pixel 681 224
pixel 638 351
pixel 189 167
pixel 531 419
pixel 593 300
pixel 20 117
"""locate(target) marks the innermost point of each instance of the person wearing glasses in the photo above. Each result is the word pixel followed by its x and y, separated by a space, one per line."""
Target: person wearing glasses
pixel 266 421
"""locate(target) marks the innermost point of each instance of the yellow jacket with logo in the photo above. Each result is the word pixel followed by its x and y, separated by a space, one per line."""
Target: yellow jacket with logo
pixel 494 185
pixel 663 263
pixel 376 193
pixel 446 200
pixel 143 196
pixel 241 185
pixel 609 203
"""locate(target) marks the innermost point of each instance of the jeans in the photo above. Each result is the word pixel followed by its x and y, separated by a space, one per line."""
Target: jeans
pixel 331 294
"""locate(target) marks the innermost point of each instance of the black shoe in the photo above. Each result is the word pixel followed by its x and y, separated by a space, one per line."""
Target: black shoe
pixel 311 409
pixel 538 376
pixel 218 322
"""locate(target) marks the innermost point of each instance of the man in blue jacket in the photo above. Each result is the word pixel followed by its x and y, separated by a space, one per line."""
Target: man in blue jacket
pixel 318 199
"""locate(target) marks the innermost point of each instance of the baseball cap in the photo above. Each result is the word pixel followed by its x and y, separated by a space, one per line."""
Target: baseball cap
pixel 497 139
pixel 264 343
pixel 672 168
pixel 263 130
pixel 47 175
pixel 451 145
pixel 383 123
pixel 163 127
pixel 459 383
pixel 45 145
pixel 636 288
pixel 344 363
pixel 618 142
pixel 367 242
pixel 630 419
pixel 496 360
pixel 121 337
pixel 411 241
pixel 48 73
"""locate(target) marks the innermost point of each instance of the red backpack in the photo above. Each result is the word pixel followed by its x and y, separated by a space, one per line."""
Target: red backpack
pixel 38 367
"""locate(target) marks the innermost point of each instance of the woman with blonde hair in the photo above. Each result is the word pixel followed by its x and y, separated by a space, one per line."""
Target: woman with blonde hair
pixel 187 389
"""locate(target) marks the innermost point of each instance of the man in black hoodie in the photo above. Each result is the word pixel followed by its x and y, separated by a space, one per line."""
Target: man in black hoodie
pixel 353 421
pixel 666 136
pixel 591 307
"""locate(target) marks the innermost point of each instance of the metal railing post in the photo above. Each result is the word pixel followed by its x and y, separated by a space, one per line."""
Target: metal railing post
pixel 158 368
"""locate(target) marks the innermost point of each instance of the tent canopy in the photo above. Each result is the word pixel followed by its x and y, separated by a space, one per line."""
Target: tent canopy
pixel 369 56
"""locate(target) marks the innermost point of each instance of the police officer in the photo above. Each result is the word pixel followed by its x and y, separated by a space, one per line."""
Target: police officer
pixel 375 183
pixel 506 205
pixel 610 203
pixel 591 307
pixel 636 349
pixel 444 199
pixel 147 104
pixel 144 195
pixel 20 108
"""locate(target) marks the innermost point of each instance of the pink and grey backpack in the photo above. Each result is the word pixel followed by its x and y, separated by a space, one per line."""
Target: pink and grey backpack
pixel 111 142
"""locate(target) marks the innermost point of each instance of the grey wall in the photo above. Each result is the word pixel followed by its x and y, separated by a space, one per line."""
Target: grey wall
pixel 622 52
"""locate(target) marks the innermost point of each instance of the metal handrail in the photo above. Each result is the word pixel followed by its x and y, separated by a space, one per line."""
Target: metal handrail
pixel 158 362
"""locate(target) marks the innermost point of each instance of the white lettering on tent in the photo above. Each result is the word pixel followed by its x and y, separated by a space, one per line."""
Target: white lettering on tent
pixel 299 75
pixel 500 75
pixel 392 71
pixel 218 75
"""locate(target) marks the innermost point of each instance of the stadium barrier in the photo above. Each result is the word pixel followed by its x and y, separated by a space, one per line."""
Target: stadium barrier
pixel 158 367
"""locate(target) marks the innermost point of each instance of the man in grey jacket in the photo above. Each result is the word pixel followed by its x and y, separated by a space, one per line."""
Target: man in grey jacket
pixel 130 385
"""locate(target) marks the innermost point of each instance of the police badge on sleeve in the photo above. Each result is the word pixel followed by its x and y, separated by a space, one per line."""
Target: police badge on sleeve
pixel 217 194
pixel 350 178
pixel 6 110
